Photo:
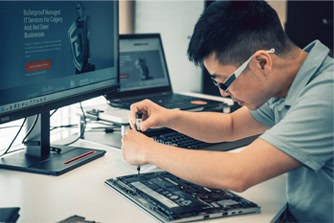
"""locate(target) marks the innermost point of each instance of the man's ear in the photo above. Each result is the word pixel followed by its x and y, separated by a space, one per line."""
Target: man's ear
pixel 261 62
pixel 264 60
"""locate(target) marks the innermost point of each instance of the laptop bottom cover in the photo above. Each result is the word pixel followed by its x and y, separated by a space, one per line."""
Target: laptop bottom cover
pixel 171 199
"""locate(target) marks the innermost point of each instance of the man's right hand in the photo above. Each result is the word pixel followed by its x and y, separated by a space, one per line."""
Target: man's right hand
pixel 154 116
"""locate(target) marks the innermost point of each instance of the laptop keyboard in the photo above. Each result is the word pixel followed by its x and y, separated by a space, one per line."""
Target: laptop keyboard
pixel 173 138
pixel 180 140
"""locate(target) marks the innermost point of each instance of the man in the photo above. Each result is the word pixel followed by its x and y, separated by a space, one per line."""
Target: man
pixel 287 96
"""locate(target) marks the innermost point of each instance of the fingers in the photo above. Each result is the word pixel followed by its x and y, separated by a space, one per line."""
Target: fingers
pixel 134 145
pixel 143 106
pixel 131 122
pixel 146 124
pixel 132 115
pixel 151 114
pixel 129 133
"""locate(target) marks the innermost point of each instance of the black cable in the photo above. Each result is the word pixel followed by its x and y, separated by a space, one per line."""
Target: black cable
pixel 34 124
pixel 31 128
pixel 83 128
pixel 54 112
pixel 63 126
pixel 18 132
pixel 104 129
pixel 109 129
pixel 13 151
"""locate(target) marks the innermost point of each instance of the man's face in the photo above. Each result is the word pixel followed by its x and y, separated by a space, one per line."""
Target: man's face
pixel 248 89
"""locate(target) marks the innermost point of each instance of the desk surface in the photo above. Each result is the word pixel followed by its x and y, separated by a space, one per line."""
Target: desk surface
pixel 82 192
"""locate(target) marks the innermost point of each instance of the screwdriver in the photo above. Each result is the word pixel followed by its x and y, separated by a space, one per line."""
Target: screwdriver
pixel 139 116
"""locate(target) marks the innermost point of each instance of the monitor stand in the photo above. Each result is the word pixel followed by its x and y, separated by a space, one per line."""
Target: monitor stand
pixel 43 158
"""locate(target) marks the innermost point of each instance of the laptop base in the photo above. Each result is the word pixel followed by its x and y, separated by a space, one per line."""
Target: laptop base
pixel 171 199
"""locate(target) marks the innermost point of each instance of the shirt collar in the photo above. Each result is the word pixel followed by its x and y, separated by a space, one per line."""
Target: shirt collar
pixel 317 52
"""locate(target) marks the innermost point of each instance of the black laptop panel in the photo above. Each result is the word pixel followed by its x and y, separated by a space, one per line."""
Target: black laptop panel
pixel 144 74
pixel 143 69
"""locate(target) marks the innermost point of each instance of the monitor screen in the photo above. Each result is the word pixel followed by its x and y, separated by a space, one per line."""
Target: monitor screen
pixel 142 64
pixel 54 53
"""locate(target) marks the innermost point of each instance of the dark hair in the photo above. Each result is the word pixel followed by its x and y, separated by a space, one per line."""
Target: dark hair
pixel 234 30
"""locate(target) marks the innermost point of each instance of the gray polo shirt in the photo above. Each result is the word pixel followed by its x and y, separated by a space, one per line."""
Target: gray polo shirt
pixel 301 125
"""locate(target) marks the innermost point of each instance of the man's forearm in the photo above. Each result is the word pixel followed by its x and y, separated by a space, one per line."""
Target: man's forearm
pixel 205 126
pixel 206 168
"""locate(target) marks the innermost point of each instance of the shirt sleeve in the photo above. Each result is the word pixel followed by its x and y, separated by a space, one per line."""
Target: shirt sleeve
pixel 306 131
pixel 264 114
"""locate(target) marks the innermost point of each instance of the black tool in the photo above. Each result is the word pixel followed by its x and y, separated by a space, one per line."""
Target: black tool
pixel 139 116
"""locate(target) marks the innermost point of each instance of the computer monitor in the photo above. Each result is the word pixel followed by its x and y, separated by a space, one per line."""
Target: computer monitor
pixel 53 54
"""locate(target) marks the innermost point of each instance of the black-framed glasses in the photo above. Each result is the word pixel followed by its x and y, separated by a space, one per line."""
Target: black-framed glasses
pixel 228 82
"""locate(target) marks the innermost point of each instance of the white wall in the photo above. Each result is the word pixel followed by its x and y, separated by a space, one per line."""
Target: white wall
pixel 280 7
pixel 175 21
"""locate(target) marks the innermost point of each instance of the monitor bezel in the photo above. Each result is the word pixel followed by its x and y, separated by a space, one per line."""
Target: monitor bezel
pixel 37 154
pixel 44 107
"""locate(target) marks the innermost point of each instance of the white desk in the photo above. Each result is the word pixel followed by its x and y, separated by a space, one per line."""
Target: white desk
pixel 82 192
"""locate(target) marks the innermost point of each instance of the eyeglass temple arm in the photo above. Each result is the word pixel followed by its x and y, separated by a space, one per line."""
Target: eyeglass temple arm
pixel 245 64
